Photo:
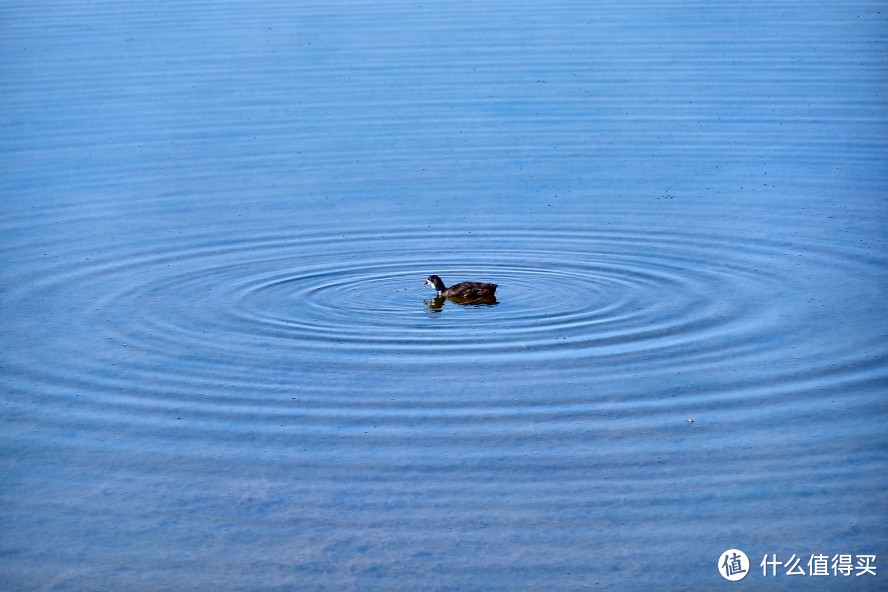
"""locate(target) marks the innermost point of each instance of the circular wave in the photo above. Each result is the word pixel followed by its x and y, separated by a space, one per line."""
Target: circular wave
pixel 624 293
pixel 318 318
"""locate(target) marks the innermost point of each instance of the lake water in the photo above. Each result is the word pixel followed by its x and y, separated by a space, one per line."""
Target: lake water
pixel 220 369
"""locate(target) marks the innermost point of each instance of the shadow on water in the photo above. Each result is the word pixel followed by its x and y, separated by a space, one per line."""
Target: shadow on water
pixel 436 304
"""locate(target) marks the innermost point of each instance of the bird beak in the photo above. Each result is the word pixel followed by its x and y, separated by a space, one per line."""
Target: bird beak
pixel 427 282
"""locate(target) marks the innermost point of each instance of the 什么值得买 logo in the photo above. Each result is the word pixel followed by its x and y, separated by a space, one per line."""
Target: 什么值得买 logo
pixel 734 565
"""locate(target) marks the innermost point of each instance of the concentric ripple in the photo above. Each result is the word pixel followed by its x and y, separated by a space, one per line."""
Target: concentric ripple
pixel 321 314
pixel 594 295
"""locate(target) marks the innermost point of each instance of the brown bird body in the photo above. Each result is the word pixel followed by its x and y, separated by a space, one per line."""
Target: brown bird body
pixel 464 291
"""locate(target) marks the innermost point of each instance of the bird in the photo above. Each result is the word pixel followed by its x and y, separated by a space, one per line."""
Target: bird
pixel 464 292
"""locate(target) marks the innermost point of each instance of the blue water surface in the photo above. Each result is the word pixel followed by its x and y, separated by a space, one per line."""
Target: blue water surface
pixel 220 369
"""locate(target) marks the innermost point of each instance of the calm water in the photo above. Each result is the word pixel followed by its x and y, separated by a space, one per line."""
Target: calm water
pixel 220 369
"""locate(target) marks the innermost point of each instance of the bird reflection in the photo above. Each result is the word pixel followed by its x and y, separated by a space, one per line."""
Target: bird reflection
pixel 436 304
